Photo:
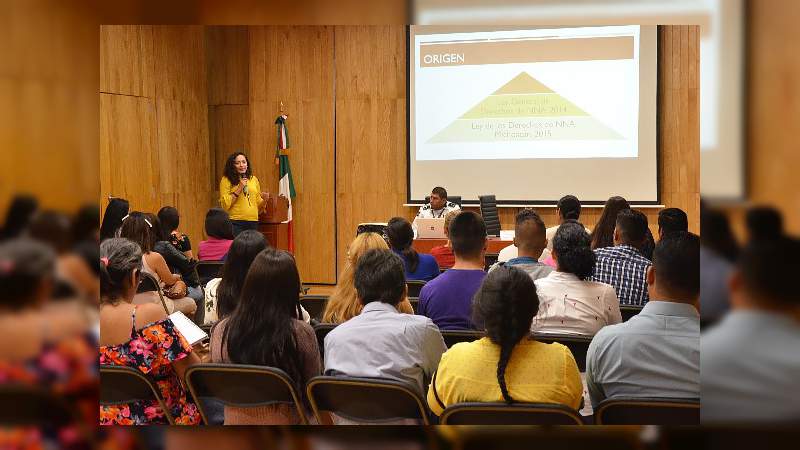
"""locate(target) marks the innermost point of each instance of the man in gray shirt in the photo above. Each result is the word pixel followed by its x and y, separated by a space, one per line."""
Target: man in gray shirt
pixel 530 240
pixel 382 342
pixel 657 352
pixel 751 361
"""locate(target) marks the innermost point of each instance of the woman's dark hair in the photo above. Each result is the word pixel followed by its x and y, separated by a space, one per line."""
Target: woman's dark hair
pixel 569 207
pixel 86 223
pixel 19 214
pixel 53 228
pixel 717 235
pixel 112 219
pixel 218 224
pixel 401 236
pixel 230 170
pixel 261 329
pixel 505 304
pixel 122 256
pixel 170 219
pixel 571 246
pixel 139 228
pixel 243 250
pixel 24 264
pixel 603 233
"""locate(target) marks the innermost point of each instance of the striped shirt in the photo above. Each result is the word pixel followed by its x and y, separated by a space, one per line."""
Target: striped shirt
pixel 626 269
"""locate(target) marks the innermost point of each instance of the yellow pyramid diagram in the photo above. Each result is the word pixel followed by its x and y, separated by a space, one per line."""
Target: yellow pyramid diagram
pixel 524 109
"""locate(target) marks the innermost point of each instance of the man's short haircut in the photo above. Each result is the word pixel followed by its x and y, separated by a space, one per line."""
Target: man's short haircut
pixel 676 261
pixel 632 225
pixel 380 277
pixel 527 217
pixel 569 207
pixel 764 222
pixel 440 191
pixel 672 220
pixel 769 265
pixel 467 234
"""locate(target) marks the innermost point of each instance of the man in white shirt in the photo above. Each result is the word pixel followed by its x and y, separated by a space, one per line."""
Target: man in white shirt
pixel 657 352
pixel 438 206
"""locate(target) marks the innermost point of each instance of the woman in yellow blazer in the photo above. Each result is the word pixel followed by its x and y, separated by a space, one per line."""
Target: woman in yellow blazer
pixel 240 193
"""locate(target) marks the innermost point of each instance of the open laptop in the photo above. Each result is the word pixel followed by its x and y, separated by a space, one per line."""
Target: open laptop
pixel 430 228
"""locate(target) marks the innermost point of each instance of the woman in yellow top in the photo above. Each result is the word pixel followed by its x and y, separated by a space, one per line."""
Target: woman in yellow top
pixel 507 365
pixel 240 193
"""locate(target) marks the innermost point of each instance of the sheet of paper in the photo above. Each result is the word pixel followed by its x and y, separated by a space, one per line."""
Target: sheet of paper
pixel 188 329
pixel 506 235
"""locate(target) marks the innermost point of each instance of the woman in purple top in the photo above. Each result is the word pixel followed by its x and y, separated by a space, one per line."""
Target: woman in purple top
pixel 419 266
pixel 220 235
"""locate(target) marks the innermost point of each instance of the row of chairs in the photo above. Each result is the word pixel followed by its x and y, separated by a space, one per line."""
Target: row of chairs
pixel 375 401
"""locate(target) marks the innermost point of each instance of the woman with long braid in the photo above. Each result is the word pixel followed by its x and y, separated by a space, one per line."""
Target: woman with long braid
pixel 506 365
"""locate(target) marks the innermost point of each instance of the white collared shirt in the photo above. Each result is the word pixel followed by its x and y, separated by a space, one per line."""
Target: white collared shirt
pixel 569 305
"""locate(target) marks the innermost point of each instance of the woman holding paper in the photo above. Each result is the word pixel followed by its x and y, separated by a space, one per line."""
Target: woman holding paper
pixel 141 337
pixel 240 193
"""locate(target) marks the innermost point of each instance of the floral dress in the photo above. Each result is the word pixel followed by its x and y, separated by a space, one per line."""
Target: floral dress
pixel 151 350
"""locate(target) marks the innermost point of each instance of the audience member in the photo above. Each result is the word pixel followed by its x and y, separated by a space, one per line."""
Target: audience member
pixel 438 205
pixel 222 294
pixel 444 253
pixel 568 302
pixel 603 233
pixel 170 220
pixel 749 359
pixel 530 241
pixel 220 236
pixel 671 220
pixel 419 266
pixel 139 229
pixel 116 210
pixel 18 215
pixel 763 223
pixel 507 365
pixel 53 353
pixel 141 337
pixel 718 252
pixel 447 300
pixel 623 266
pixel 344 304
pixel 266 329
pixel 381 342
pixel 657 352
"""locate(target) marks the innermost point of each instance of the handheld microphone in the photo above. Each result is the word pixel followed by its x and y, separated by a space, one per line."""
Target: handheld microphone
pixel 245 186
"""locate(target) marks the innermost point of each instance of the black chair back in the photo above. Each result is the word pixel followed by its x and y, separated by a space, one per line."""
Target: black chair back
pixel 489 259
pixel 315 305
pixel 514 414
pixel 366 400
pixel 490 215
pixel 243 386
pixel 453 337
pixel 647 411
pixel 321 330
pixel 122 385
pixel 414 286
pixel 149 283
pixel 208 270
pixel 629 311
pixel 578 345
pixel 33 406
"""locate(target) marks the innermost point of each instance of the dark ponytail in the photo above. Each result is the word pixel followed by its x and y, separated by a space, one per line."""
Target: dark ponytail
pixel 119 257
pixel 401 236
pixel 505 306
pixel 572 249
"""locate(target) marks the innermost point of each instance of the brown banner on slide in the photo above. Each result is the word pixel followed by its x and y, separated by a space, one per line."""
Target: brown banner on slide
pixel 440 54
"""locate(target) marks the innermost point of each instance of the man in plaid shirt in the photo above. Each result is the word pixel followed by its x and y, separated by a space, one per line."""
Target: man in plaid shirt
pixel 623 265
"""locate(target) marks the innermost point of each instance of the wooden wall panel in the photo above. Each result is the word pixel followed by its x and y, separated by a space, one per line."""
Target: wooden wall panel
pixel 126 60
pixel 227 61
pixel 294 65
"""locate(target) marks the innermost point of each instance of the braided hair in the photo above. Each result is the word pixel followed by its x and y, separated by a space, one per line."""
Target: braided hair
pixel 505 306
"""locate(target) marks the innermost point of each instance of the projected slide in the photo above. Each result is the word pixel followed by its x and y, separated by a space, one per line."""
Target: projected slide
pixel 527 94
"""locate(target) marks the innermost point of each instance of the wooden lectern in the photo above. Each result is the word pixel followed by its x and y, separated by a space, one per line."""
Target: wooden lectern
pixel 270 220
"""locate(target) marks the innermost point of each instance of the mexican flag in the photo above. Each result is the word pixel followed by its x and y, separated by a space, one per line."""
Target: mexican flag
pixel 286 185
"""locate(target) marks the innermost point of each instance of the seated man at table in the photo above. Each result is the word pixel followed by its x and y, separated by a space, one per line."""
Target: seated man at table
pixel 447 299
pixel 438 206
pixel 530 241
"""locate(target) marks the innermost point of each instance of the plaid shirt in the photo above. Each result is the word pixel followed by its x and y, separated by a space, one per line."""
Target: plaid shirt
pixel 626 269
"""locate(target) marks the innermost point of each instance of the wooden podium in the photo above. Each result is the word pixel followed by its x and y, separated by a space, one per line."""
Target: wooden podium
pixel 271 218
